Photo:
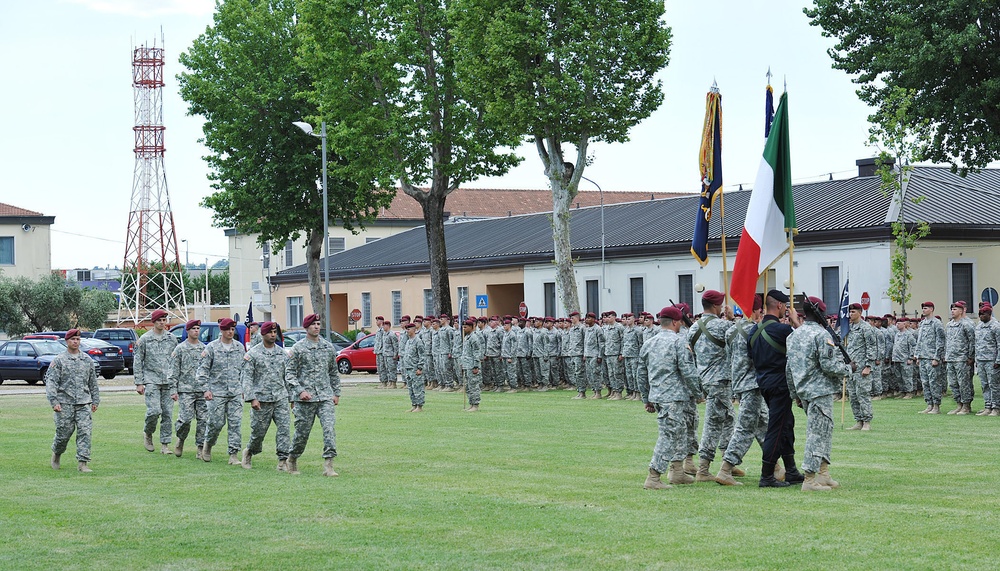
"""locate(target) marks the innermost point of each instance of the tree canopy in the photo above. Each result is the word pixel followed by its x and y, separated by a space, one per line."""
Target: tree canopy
pixel 943 55
pixel 51 304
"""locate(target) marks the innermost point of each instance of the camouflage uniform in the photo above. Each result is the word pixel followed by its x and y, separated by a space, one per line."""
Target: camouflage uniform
pixel 256 339
pixel 263 380
pixel 876 370
pixel 473 353
pixel 573 362
pixel 751 421
pixel 930 347
pixel 220 369
pixel 902 359
pixel 491 366
pixel 814 371
pixel 71 382
pixel 593 350
pixel 412 358
pixel 540 356
pixel 862 346
pixel 987 360
pixel 631 341
pixel 456 357
pixel 377 345
pixel 442 342
pixel 312 369
pixel 613 359
pixel 151 365
pixel 425 335
pixel 709 346
pixel 960 347
pixel 186 357
pixel 555 362
pixel 389 356
pixel 890 379
pixel 667 378
pixel 508 355
pixel 525 338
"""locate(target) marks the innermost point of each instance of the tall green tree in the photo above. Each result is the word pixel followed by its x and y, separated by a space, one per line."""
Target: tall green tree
pixel 243 79
pixel 50 304
pixel 944 53
pixel 218 285
pixel 385 80
pixel 563 72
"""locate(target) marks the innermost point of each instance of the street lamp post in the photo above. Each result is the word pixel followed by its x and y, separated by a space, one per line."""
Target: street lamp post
pixel 187 257
pixel 600 299
pixel 307 129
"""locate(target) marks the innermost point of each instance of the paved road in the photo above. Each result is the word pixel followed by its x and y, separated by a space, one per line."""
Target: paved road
pixel 125 383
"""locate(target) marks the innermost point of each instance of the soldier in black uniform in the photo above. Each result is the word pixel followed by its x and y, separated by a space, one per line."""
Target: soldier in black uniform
pixel 766 347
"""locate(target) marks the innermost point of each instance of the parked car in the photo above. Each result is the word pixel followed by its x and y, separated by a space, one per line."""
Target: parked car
pixel 108 356
pixel 57 335
pixel 28 360
pixel 209 332
pixel 123 338
pixel 292 335
pixel 358 356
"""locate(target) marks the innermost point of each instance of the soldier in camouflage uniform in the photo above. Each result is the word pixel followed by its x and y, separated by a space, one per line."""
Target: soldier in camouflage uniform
pixel 508 353
pixel 263 380
pixel 389 356
pixel 631 341
pixel 814 372
pixel 593 354
pixel 152 379
pixel 667 379
pixel 525 337
pixel 456 355
pixel 540 354
pixel 314 383
pixel 707 339
pixel 380 363
pixel 613 358
pixel 555 354
pixel 890 377
pixel 189 389
pixel 443 340
pixel 862 346
pixel 403 340
pixel 572 351
pixel 412 358
pixel 71 387
pixel 491 367
pixel 473 353
pixel 929 355
pixel 255 337
pixel 988 360
pixel 221 364
pixel 903 346
pixel 425 335
pixel 959 356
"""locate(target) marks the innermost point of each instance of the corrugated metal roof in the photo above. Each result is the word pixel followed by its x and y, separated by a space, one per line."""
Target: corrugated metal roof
pixel 829 210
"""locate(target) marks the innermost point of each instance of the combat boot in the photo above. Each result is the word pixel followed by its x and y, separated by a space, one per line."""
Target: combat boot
pixel 164 448
pixel 392 385
pixel 823 476
pixel 234 459
pixel 293 465
pixel 926 410
pixel 247 459
pixel 907 396
pixel 725 475
pixel 738 472
pixel 676 475
pixel 653 481
pixel 615 395
pixel 147 442
pixel 198 455
pixel 55 461
pixel 282 465
pixel 580 395
pixel 179 449
pixel 689 468
pixel 966 409
pixel 857 426
pixel 328 468
pixel 984 412
pixel 206 452
pixel 82 466
pixel 995 412
pixel 596 395
pixel 957 410
pixel 866 426
pixel 935 409
pixel 703 474
pixel 779 472
pixel 413 409
pixel 420 408
pixel 473 408
pixel 811 485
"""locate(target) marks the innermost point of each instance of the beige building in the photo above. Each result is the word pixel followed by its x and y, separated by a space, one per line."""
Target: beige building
pixel 25 242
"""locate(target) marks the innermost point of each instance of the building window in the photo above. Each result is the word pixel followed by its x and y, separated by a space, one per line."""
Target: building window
pixel 397 307
pixel 83 275
pixel 255 287
pixel 428 303
pixel 961 283
pixel 6 250
pixel 288 254
pixel 266 254
pixel 685 291
pixel 593 297
pixel 830 277
pixel 366 309
pixel 637 293
pixel 337 244
pixel 369 239
pixel 295 311
pixel 463 303
pixel 549 293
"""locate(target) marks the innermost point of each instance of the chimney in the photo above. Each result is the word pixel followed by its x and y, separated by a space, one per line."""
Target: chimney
pixel 867 167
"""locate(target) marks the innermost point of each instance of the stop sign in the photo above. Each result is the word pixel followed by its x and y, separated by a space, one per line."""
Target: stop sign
pixel 523 309
pixel 355 315
pixel 866 301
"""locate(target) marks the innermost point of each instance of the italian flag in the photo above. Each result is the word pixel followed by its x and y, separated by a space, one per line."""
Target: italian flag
pixel 770 214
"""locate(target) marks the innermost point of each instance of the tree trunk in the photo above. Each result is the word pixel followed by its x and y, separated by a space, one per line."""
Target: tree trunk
pixel 433 208
pixel 564 179
pixel 314 252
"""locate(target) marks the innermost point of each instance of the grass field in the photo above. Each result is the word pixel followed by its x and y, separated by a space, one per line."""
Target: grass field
pixel 534 481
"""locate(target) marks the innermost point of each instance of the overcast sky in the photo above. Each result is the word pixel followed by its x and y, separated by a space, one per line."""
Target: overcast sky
pixel 66 114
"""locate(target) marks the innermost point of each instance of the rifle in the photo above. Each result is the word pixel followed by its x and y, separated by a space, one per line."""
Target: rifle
pixel 687 320
pixel 811 308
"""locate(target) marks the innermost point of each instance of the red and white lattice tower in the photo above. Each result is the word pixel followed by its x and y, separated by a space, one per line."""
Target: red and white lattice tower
pixel 151 274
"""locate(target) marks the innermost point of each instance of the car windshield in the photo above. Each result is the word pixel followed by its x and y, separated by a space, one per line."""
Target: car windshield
pixel 48 347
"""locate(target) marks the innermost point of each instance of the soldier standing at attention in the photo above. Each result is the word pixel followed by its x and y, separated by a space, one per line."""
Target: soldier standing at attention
pixel 929 355
pixel 426 335
pixel 377 351
pixel 314 382
pixel 390 355
pixel 221 364
pixel 412 358
pixel 766 348
pixel 473 353
pixel 862 346
pixel 190 390
pixel 255 336
pixel 508 353
pixel 152 379
pixel 71 387
pixel 523 355
pixel 403 340
pixel 707 338
pixel 815 371
pixel 902 357
pixel 613 357
pixel 987 361
pixel 631 341
pixel 959 356
pixel 573 352
pixel 492 334
pixel 593 351
pixel 667 378
pixel 263 379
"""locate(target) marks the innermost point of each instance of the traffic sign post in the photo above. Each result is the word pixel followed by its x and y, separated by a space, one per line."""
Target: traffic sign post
pixel 482 302
pixel 523 310
pixel 990 296
pixel 866 301
pixel 355 317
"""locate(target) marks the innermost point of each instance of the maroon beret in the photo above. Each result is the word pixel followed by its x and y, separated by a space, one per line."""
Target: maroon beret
pixel 157 314
pixel 856 306
pixel 959 304
pixel 192 323
pixel 410 326
pixel 758 302
pixel 927 304
pixel 685 308
pixel 577 313
pixel 252 323
pixel 591 314
pixel 226 323
pixel 671 312
pixel 714 297
pixel 405 318
pixel 818 302
pixel 507 321
pixel 986 308
pixel 72 333
pixel 379 318
pixel 310 319
pixel 268 327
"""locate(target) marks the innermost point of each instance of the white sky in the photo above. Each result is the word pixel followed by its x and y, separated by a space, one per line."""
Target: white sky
pixel 66 114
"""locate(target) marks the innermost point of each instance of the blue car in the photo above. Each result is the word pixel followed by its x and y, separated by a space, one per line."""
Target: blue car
pixel 28 360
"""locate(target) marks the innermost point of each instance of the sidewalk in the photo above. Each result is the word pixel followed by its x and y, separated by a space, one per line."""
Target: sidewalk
pixel 117 386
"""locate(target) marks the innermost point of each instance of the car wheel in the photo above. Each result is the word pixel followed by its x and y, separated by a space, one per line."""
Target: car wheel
pixel 108 376
pixel 130 371
pixel 344 366
pixel 33 382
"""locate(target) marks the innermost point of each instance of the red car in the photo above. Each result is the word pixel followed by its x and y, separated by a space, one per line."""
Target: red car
pixel 358 356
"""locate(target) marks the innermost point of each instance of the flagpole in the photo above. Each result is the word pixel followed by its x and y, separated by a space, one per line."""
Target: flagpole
pixel 725 263
pixel 791 271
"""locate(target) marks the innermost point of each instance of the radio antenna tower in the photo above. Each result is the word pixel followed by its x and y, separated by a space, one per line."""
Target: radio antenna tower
pixel 151 274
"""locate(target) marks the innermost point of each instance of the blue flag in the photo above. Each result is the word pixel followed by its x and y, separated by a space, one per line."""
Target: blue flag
pixel 844 319
pixel 768 110
pixel 711 174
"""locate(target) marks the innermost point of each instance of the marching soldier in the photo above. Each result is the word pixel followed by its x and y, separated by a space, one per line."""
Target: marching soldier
pixel 221 364
pixel 72 391
pixel 152 379
pixel 263 380
pixel 707 339
pixel 190 390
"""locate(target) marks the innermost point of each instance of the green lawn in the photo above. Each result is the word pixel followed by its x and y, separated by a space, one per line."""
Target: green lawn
pixel 534 481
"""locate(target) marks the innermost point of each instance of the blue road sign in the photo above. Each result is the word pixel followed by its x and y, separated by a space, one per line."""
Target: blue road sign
pixel 990 296
pixel 481 302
